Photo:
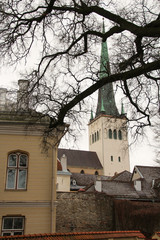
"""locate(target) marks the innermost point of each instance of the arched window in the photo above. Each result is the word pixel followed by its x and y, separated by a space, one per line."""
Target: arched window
pixel 115 134
pixel 92 138
pixel 95 137
pixel 110 133
pixel 96 173
pixel 82 172
pixel 120 135
pixel 17 171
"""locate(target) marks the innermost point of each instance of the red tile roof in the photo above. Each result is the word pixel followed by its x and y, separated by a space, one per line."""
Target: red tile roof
pixel 158 233
pixel 79 235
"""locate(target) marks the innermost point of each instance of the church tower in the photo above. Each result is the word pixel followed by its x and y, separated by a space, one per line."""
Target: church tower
pixel 108 130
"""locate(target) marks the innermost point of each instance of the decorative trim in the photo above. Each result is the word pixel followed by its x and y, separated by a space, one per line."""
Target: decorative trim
pixel 24 204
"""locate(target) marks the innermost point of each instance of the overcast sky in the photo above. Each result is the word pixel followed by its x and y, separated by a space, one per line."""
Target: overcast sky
pixel 141 153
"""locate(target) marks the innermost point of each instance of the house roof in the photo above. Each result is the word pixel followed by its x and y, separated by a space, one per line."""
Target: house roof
pixel 122 176
pixel 86 179
pixel 80 235
pixel 79 158
pixel 119 189
pixel 149 173
pixel 126 190
pixel 83 179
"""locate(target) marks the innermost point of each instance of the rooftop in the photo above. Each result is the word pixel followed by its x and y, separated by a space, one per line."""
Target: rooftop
pixel 79 158
pixel 80 235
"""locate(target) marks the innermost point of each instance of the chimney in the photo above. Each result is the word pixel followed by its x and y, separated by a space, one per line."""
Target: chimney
pixel 3 92
pixel 22 95
pixel 98 185
pixel 64 163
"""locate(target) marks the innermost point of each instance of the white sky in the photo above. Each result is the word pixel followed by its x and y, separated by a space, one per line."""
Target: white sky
pixel 141 153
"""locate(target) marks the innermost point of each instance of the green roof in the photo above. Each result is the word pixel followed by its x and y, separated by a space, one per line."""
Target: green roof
pixel 106 93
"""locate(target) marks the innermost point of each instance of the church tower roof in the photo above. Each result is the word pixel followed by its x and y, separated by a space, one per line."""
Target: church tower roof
pixel 106 93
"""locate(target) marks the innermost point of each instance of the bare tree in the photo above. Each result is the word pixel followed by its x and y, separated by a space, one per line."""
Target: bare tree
pixel 63 37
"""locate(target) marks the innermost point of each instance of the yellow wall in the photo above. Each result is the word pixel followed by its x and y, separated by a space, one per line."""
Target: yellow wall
pixel 39 168
pixel 86 170
pixel 37 219
pixel 35 202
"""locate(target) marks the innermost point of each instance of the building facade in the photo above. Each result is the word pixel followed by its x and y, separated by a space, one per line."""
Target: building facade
pixel 28 175
pixel 108 129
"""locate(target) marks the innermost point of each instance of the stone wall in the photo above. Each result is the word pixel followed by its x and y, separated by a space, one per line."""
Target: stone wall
pixel 82 211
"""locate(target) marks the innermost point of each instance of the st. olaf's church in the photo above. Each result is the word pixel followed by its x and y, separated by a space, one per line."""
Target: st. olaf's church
pixel 108 138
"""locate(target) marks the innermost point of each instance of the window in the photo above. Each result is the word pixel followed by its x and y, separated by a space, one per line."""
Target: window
pixel 111 158
pixel 120 135
pixel 110 133
pixel 119 159
pixel 97 135
pixel 12 226
pixel 96 173
pixel 115 134
pixel 82 171
pixel 17 171
pixel 92 138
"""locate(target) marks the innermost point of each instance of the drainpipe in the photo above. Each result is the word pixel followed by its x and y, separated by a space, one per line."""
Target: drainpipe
pixel 54 148
pixel 103 148
pixel 53 188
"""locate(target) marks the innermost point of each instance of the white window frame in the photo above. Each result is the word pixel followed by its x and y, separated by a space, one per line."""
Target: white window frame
pixel 12 231
pixel 17 168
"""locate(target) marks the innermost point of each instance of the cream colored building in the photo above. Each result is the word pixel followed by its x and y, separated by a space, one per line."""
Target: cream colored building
pixel 108 138
pixel 28 175
pixel 108 129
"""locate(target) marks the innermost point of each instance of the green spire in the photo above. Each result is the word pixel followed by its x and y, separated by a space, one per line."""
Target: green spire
pixel 106 93
pixel 91 118
pixel 104 64
pixel 102 106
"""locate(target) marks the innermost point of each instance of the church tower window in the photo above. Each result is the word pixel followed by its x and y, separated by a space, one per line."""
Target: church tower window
pixel 110 133
pixel 120 135
pixel 115 134
pixel 92 138
pixel 95 137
